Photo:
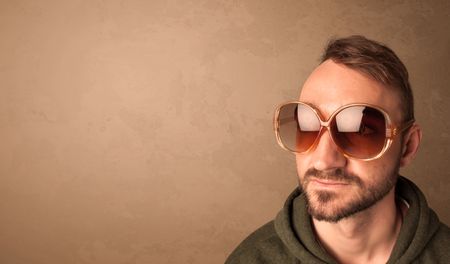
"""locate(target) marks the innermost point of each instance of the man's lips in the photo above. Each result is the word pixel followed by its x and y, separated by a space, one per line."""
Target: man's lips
pixel 329 183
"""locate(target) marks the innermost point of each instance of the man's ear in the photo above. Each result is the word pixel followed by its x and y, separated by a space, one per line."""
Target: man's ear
pixel 410 144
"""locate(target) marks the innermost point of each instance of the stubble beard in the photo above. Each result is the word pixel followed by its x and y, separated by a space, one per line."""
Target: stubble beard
pixel 323 205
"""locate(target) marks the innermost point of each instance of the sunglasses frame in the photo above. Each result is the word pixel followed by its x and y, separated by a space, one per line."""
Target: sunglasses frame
pixel 391 130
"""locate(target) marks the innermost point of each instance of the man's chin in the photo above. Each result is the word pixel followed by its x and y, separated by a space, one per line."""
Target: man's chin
pixel 331 216
pixel 325 209
pixel 329 206
pixel 325 197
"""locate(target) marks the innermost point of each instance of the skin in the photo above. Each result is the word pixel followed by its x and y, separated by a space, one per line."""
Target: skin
pixel 369 235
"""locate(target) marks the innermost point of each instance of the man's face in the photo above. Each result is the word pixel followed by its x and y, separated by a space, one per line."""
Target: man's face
pixel 337 187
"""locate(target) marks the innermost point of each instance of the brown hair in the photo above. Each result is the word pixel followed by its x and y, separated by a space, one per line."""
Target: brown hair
pixel 375 60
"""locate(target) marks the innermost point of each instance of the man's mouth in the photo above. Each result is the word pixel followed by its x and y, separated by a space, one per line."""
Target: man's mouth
pixel 328 182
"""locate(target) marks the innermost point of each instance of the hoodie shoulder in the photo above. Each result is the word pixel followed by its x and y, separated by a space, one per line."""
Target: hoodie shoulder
pixel 262 246
pixel 437 249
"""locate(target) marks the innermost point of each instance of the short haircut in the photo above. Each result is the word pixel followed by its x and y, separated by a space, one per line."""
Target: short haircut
pixel 376 61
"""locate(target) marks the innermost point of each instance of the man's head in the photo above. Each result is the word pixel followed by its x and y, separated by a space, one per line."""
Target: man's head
pixel 355 70
pixel 377 62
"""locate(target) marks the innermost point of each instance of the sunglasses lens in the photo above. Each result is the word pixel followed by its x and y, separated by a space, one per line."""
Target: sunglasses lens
pixel 298 127
pixel 360 131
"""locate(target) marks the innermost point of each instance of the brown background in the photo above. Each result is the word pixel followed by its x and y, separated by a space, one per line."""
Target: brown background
pixel 140 131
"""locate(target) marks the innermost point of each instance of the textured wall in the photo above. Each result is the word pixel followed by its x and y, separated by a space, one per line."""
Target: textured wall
pixel 140 131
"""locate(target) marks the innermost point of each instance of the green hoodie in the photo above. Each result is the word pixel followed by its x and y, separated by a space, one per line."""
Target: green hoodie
pixel 290 238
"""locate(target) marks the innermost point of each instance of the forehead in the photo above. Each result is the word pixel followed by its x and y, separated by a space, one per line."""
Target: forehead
pixel 333 85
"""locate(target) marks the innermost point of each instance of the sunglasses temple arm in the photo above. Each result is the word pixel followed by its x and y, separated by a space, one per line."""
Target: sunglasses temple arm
pixel 393 132
pixel 407 125
pixel 404 127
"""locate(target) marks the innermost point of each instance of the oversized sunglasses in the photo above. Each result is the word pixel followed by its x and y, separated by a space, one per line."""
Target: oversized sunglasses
pixel 360 131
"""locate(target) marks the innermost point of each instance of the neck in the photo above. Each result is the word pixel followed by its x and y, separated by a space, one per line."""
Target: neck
pixel 366 237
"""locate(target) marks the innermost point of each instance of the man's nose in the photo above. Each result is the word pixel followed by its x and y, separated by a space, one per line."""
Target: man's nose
pixel 326 155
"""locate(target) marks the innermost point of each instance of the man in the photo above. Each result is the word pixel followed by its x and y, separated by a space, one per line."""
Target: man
pixel 351 130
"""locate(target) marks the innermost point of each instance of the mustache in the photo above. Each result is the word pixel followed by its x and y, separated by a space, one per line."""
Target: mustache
pixel 334 175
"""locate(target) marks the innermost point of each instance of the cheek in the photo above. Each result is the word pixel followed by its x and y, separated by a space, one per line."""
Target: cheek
pixel 373 172
pixel 391 159
pixel 302 164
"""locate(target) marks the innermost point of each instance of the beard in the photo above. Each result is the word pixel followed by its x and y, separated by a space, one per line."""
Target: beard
pixel 326 205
